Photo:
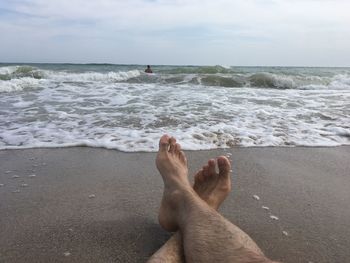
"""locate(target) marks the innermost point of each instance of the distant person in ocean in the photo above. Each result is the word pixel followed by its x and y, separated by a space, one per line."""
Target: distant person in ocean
pixel 148 69
pixel 204 235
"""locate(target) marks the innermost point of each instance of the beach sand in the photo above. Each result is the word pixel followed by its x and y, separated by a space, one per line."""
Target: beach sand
pixel 97 205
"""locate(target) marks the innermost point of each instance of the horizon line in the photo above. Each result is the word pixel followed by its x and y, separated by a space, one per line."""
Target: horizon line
pixel 173 65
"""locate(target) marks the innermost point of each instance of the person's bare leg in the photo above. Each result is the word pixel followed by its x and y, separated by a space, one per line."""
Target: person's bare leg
pixel 207 236
pixel 210 186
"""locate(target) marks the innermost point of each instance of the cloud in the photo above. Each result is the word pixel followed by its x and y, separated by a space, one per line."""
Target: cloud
pixel 250 32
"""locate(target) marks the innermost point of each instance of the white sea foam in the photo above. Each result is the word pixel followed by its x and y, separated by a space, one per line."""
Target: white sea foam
pixel 8 70
pixel 96 109
pixel 49 77
pixel 93 76
pixel 18 84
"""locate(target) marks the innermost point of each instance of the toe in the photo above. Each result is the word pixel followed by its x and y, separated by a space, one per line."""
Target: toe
pixel 205 171
pixel 164 143
pixel 224 166
pixel 211 164
pixel 183 157
pixel 177 148
pixel 198 183
pixel 198 177
pixel 172 142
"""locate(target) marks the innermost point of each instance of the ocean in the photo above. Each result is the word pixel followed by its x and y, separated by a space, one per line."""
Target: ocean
pixel 121 107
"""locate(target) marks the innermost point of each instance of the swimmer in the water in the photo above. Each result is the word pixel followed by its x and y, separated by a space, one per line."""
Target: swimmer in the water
pixel 148 69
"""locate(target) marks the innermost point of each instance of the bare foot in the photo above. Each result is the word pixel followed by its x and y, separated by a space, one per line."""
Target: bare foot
pixel 211 186
pixel 171 162
pixel 172 165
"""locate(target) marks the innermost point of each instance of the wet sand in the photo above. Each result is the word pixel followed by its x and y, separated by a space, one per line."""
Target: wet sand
pixel 97 205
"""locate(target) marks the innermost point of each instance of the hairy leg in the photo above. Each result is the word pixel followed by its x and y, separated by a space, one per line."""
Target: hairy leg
pixel 213 188
pixel 207 236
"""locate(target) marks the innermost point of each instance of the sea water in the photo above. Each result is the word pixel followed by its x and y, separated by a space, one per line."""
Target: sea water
pixel 121 107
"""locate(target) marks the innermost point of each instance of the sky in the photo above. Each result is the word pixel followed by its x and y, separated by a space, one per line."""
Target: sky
pixel 177 32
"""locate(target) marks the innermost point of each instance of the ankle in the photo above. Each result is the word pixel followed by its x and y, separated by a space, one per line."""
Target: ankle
pixel 177 184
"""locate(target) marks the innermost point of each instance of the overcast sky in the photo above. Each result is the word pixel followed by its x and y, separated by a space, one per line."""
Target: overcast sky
pixel 195 32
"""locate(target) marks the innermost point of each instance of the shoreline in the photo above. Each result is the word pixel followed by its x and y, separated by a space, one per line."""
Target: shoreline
pixel 92 204
pixel 14 148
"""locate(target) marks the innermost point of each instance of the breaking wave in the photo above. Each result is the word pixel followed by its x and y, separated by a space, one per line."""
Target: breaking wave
pixel 19 84
pixel 121 107
pixel 16 78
